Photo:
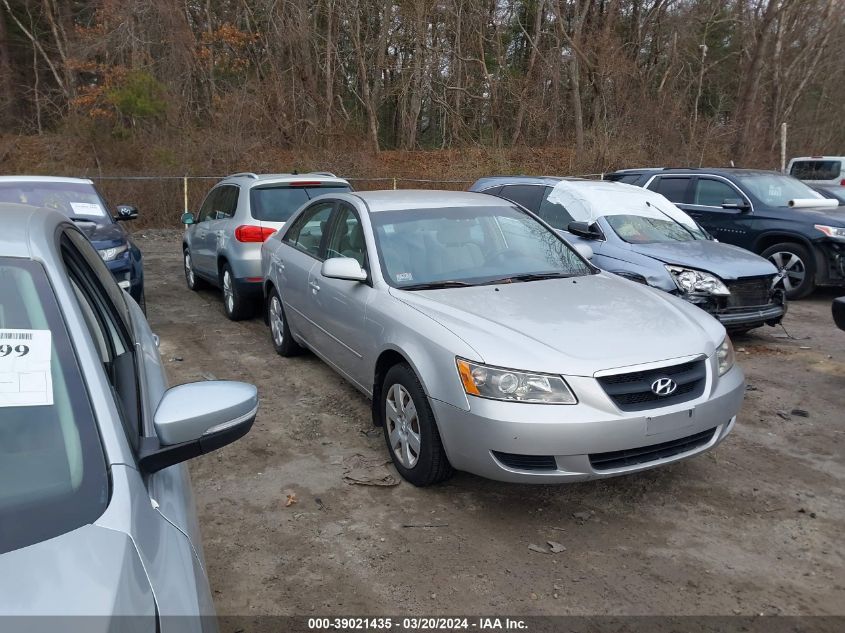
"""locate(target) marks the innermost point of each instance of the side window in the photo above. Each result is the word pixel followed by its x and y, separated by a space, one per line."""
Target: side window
pixel 347 237
pixel 554 212
pixel 673 188
pixel 105 319
pixel 208 203
pixel 493 191
pixel 712 193
pixel 225 202
pixel 306 234
pixel 529 196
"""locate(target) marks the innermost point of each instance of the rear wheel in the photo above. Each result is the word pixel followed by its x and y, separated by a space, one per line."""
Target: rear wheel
pixel 283 341
pixel 235 305
pixel 191 279
pixel 410 429
pixel 796 266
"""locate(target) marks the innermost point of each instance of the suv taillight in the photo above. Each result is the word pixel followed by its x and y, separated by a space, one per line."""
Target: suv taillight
pixel 252 233
pixel 842 182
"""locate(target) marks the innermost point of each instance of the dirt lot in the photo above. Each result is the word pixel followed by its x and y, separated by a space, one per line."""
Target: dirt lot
pixel 753 527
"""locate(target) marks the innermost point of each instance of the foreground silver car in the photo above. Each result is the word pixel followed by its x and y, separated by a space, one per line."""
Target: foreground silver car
pixel 96 510
pixel 489 345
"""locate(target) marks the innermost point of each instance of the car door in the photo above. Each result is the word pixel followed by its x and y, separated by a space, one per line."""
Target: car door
pixel 160 513
pixel 705 207
pixel 299 253
pixel 201 238
pixel 222 211
pixel 338 306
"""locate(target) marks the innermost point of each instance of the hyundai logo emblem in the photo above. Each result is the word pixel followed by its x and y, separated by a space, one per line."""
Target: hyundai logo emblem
pixel 664 387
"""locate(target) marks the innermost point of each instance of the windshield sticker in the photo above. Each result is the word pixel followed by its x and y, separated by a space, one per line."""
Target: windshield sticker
pixel 87 208
pixel 25 376
pixel 404 277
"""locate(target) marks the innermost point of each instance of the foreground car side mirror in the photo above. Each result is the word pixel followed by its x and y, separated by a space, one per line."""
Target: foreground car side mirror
pixel 125 212
pixel 343 268
pixel 584 229
pixel 736 203
pixel 188 218
pixel 838 309
pixel 198 418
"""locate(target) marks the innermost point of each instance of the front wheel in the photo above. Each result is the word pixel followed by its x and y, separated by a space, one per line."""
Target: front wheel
pixel 410 429
pixel 283 341
pixel 193 282
pixel 235 305
pixel 796 266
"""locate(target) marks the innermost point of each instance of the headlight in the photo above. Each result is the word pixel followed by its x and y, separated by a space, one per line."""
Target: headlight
pixel 690 281
pixel 109 254
pixel 832 231
pixel 517 386
pixel 725 356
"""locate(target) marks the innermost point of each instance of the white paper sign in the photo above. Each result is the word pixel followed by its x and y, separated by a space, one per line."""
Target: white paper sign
pixel 87 208
pixel 25 376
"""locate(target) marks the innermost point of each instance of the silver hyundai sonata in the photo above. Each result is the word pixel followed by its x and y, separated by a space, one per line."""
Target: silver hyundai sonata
pixel 489 344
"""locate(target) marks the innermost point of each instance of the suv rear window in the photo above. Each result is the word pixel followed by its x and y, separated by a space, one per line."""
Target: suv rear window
pixel 816 169
pixel 277 203
pixel 53 476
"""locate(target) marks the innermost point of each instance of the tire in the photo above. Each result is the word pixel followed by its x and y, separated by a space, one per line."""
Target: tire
pixel 191 280
pixel 797 261
pixel 408 420
pixel 280 334
pixel 235 306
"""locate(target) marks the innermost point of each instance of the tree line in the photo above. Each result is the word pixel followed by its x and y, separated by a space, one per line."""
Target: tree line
pixel 689 80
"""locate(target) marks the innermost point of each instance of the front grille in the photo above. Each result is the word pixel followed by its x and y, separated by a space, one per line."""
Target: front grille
pixel 526 462
pixel 645 454
pixel 632 392
pixel 751 292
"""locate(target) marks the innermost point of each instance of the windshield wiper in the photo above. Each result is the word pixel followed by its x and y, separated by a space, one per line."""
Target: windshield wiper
pixel 434 285
pixel 76 218
pixel 528 277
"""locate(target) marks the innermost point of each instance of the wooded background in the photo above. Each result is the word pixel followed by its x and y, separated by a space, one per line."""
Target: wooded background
pixel 448 88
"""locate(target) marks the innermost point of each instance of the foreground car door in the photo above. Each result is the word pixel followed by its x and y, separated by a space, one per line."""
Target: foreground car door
pixel 294 261
pixel 338 306
pixel 726 225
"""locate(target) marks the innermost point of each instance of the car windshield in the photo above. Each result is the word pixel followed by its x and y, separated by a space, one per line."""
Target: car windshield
pixel 775 190
pixel 79 201
pixel 277 203
pixel 638 229
pixel 461 246
pixel 53 477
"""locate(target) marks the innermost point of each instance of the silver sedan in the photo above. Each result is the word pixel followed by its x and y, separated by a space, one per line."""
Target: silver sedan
pixel 488 344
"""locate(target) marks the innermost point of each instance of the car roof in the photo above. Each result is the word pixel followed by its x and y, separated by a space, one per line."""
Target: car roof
pixel 404 199
pixel 595 198
pixel 816 158
pixel 495 181
pixel 732 171
pixel 22 224
pixel 57 179
pixel 251 179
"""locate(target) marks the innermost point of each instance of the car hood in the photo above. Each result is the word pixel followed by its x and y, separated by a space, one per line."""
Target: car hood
pixel 101 234
pixel 91 571
pixel 572 326
pixel 724 260
pixel 833 216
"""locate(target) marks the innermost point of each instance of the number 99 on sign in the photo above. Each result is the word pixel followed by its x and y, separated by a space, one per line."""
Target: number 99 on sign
pixel 14 350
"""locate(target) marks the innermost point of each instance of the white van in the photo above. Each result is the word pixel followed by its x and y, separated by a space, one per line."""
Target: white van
pixel 818 170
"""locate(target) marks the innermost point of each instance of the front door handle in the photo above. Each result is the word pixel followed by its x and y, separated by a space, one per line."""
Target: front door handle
pixel 314 286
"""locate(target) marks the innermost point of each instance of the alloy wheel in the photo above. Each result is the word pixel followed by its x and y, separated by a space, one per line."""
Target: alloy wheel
pixel 228 292
pixel 791 268
pixel 277 321
pixel 403 425
pixel 189 269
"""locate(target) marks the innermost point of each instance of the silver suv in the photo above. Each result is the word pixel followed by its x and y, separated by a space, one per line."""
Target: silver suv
pixel 222 242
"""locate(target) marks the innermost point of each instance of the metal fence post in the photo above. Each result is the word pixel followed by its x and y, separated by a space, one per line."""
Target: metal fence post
pixel 185 192
pixel 394 184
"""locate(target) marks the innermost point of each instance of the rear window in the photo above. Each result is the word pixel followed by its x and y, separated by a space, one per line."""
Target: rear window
pixel 53 475
pixel 277 203
pixel 816 169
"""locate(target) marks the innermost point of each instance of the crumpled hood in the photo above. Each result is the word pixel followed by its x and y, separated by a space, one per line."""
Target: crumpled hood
pixel 91 571
pixel 572 326
pixel 724 260
pixel 102 234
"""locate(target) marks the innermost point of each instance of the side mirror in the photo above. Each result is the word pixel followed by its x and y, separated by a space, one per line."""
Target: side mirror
pixel 838 309
pixel 735 203
pixel 584 229
pixel 343 268
pixel 126 212
pixel 188 218
pixel 584 250
pixel 198 418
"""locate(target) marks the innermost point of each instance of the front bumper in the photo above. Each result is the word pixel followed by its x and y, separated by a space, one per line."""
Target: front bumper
pixel 576 435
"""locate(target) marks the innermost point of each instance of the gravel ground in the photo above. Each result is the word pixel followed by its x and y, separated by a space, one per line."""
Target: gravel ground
pixel 754 527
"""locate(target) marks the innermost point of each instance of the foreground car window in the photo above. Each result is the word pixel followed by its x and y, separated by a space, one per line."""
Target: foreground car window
pixel 637 229
pixel 277 204
pixel 77 201
pixel 53 476
pixel 775 190
pixel 471 245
